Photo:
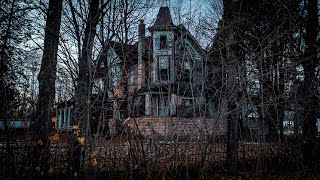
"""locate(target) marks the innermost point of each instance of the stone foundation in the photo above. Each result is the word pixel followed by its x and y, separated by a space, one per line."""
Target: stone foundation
pixel 191 128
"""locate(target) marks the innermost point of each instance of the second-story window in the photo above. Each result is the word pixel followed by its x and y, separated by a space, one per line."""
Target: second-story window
pixel 101 65
pixel 163 42
pixel 132 74
pixel 187 69
pixel 164 68
pixel 97 86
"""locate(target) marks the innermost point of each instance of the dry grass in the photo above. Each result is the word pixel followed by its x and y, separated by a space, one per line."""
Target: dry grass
pixel 121 154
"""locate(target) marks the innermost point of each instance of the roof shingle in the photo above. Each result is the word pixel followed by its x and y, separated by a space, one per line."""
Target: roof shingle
pixel 163 19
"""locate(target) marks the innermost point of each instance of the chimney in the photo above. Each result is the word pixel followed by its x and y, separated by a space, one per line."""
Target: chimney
pixel 142 31
pixel 141 51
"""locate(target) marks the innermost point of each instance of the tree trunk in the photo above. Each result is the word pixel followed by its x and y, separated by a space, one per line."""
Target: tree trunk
pixel 6 87
pixel 231 87
pixel 47 76
pixel 232 118
pixel 309 64
pixel 83 91
pixel 83 85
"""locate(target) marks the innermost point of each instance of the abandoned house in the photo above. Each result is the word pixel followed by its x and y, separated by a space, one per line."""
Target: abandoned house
pixel 157 85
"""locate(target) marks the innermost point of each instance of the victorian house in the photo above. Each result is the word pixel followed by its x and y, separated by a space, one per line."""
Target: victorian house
pixel 164 80
pixel 157 86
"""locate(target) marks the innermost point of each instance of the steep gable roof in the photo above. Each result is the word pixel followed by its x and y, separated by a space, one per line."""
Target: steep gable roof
pixel 125 52
pixel 184 33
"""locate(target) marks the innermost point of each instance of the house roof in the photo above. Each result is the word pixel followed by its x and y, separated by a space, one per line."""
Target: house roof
pixel 163 19
pixel 125 52
pixel 129 52
pixel 184 33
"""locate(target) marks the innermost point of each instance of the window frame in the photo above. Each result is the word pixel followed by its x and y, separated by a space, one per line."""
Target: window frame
pixel 163 41
pixel 163 110
pixel 187 69
pixel 162 69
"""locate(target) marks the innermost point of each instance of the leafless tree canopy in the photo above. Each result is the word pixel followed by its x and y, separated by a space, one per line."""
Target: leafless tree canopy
pixel 159 89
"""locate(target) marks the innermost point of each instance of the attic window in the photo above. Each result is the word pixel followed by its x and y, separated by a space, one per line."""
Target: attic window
pixel 163 42
pixel 187 65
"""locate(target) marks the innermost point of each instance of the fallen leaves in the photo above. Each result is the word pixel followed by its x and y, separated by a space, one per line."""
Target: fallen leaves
pixel 81 140
pixel 75 126
pixel 127 146
pixel 116 93
pixel 54 137
pixel 24 123
pixel 54 119
pixel 15 114
pixel 94 159
pixel 37 142
pixel 76 132
pixel 126 78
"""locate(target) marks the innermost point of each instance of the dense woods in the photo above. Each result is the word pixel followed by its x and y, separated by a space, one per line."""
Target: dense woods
pixel 160 89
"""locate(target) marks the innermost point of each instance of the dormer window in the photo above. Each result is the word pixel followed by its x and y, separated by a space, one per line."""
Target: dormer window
pixel 163 42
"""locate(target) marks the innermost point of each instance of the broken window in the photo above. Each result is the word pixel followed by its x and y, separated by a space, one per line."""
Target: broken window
pixel 101 64
pixel 212 108
pixel 187 102
pixel 63 117
pixel 187 107
pixel 163 105
pixel 164 68
pixel 97 86
pixel 138 106
pixel 132 74
pixel 163 42
pixel 187 66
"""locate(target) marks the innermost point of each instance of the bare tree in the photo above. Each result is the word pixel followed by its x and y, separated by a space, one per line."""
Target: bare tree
pixel 47 77
pixel 230 16
pixel 310 64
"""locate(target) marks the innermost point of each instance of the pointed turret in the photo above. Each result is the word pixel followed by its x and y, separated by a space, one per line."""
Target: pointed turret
pixel 163 19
